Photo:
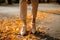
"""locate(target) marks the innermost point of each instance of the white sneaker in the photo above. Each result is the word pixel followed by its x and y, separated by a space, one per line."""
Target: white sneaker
pixel 33 28
pixel 24 29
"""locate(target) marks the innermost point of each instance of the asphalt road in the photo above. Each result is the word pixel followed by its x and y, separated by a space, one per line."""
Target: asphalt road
pixel 54 25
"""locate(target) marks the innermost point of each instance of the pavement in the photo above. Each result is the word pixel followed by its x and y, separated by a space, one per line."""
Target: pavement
pixel 54 26
pixel 15 9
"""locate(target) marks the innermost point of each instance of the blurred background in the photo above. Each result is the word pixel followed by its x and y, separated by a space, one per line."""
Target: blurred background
pixel 17 1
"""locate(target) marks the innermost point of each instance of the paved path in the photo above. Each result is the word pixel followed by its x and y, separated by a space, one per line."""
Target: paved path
pixel 14 10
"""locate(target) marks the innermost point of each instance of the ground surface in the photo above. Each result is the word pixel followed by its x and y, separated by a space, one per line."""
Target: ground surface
pixel 49 21
pixel 14 10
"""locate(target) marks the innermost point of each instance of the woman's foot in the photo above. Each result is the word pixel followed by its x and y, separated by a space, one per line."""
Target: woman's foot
pixel 33 28
pixel 33 31
pixel 24 30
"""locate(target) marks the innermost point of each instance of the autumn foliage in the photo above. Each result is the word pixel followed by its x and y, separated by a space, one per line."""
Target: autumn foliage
pixel 10 28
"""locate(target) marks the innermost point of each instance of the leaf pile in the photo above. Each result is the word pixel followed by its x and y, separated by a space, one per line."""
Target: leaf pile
pixel 10 28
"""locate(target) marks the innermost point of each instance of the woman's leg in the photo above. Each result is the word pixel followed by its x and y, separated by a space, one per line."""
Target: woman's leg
pixel 23 15
pixel 34 13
